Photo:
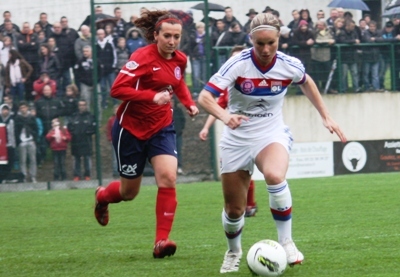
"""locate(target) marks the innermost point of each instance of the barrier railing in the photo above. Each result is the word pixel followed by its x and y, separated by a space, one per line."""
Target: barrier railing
pixel 389 59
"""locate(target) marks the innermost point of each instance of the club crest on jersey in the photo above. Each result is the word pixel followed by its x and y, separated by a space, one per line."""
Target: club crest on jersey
pixel 247 86
pixel 131 65
pixel 276 86
pixel 177 72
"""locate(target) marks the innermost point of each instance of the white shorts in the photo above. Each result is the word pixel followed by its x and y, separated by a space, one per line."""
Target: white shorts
pixel 241 155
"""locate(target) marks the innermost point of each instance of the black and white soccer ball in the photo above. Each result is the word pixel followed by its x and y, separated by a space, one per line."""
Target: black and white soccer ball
pixel 267 258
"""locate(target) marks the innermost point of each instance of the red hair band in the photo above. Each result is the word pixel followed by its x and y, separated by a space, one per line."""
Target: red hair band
pixel 167 20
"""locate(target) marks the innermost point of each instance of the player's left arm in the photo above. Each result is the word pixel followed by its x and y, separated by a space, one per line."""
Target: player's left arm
pixel 310 90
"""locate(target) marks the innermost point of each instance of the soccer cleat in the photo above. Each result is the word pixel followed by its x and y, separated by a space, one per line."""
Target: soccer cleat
pixel 76 179
pixel 164 248
pixel 294 256
pixel 250 211
pixel 100 211
pixel 231 262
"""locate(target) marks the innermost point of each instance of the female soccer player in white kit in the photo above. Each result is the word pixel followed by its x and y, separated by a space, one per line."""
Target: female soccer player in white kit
pixel 255 133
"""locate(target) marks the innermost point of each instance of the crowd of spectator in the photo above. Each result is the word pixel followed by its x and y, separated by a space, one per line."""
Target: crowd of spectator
pixel 46 83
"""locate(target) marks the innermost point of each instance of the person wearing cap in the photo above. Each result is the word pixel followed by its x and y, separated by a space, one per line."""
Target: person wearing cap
pixel 43 80
pixel 268 9
pixel 251 14
pixel 229 19
pixel 388 34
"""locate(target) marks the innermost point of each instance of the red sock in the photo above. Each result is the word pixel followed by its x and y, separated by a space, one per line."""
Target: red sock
pixel 110 194
pixel 165 212
pixel 250 195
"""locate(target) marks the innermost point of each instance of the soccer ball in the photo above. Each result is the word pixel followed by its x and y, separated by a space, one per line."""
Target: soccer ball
pixel 267 258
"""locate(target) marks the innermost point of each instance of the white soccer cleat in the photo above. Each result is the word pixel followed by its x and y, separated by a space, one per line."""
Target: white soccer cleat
pixel 231 262
pixel 294 256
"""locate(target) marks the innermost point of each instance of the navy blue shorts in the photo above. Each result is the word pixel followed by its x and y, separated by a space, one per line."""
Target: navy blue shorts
pixel 133 153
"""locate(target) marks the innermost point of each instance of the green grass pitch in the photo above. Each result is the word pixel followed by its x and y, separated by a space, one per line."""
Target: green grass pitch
pixel 345 226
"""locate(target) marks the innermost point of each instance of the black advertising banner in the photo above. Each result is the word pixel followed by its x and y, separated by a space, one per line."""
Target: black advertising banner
pixel 366 156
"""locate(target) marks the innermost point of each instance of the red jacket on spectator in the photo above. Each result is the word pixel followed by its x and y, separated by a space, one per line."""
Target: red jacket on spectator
pixel 62 142
pixel 40 83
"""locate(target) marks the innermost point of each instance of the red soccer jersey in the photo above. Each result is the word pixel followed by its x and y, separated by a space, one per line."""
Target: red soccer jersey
pixel 145 74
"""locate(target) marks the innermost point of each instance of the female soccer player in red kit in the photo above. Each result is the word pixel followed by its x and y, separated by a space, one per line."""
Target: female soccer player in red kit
pixel 144 127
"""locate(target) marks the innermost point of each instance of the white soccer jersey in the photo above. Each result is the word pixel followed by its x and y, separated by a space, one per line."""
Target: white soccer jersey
pixel 256 91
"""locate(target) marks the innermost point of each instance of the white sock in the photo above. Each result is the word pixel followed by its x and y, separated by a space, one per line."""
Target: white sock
pixel 280 202
pixel 233 231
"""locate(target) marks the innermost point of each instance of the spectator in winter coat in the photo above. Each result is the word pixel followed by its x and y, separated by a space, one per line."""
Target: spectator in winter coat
pixel 229 19
pixel 303 37
pixel 7 45
pixel 49 62
pixel 122 53
pixel 370 58
pixel 70 102
pixel 349 55
pixel 43 80
pixel 65 42
pixel 82 127
pixel 48 107
pixel 198 58
pixel 107 59
pixel 46 26
pixel 388 34
pixel 26 137
pixel 83 40
pixel 58 137
pixel 18 71
pixel 28 47
pixel 321 56
pixel 9 31
pixel 83 71
pixel 134 40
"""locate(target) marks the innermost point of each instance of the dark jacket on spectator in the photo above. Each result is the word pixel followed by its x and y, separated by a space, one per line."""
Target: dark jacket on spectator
pixel 29 123
pixel 370 53
pixel 349 54
pixel 48 108
pixel 51 64
pixel 107 58
pixel 82 126
pixel 83 71
pixel 28 47
pixel 65 43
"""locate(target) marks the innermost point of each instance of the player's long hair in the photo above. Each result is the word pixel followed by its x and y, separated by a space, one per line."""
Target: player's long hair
pixel 148 22
pixel 265 19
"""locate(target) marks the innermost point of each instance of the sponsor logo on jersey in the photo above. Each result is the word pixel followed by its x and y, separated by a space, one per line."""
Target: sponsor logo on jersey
pixel 255 115
pixel 247 86
pixel 259 104
pixel 178 74
pixel 129 170
pixel 131 65
pixel 156 68
pixel 276 86
pixel 263 83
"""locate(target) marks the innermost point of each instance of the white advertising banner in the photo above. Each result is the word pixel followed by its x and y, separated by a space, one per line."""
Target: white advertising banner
pixel 308 159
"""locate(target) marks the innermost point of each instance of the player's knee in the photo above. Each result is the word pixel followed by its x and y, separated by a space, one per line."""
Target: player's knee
pixel 234 212
pixel 167 179
pixel 273 178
